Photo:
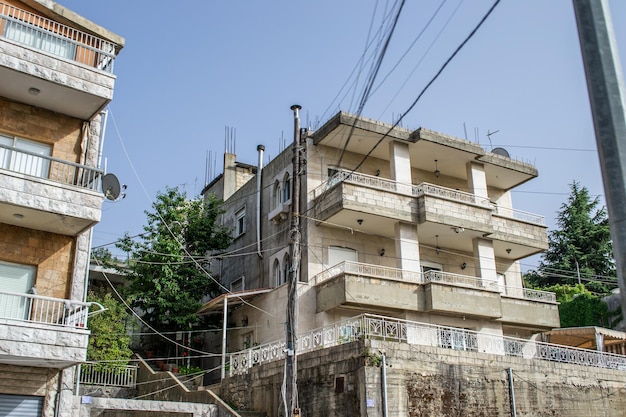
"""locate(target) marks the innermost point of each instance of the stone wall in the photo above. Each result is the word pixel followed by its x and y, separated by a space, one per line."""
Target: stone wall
pixel 428 381
pixel 52 254
pixel 23 380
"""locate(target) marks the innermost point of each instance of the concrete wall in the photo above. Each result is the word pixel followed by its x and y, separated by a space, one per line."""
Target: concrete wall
pixel 429 381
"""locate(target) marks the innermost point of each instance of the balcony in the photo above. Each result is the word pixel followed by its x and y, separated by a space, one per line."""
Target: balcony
pixel 357 284
pixel 373 205
pixel 53 66
pixel 45 193
pixel 42 331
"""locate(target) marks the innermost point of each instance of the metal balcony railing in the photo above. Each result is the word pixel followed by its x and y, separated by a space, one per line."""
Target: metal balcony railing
pixel 450 194
pixel 519 215
pixel 47 167
pixel 367 326
pixel 422 189
pixel 395 274
pixel 367 270
pixel 52 37
pixel 33 308
pixel 92 373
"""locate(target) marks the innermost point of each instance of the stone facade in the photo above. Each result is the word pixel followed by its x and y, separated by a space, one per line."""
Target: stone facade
pixel 48 203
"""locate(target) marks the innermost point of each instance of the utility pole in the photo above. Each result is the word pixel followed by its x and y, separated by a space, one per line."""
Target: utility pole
pixel 291 390
pixel 605 84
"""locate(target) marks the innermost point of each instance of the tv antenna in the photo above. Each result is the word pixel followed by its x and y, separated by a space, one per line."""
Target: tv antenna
pixel 489 136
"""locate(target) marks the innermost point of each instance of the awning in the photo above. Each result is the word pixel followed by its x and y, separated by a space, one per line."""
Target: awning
pixel 584 337
pixel 216 305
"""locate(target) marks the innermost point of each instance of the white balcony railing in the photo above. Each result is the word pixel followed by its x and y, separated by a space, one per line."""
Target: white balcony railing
pixel 450 194
pixel 395 274
pixel 44 310
pixel 47 167
pixel 367 270
pixel 367 326
pixel 519 215
pixel 119 376
pixel 52 37
pixel 422 189
pixel 460 280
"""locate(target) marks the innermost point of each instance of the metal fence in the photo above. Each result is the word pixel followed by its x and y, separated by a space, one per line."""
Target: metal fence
pixel 367 326
pixel 47 167
pixel 46 310
pixel 118 376
pixel 52 37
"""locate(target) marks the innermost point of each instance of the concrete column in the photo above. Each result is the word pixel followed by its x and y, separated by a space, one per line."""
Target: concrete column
pixel 485 260
pixel 230 175
pixel 476 179
pixel 407 247
pixel 400 164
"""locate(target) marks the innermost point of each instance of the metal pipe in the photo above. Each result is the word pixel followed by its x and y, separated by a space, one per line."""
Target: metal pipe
pixel 260 149
pixel 511 392
pixel 224 337
pixel 384 385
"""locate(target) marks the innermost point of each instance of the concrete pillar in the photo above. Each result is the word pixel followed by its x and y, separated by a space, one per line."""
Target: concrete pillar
pixel 485 260
pixel 407 247
pixel 400 165
pixel 476 179
pixel 230 175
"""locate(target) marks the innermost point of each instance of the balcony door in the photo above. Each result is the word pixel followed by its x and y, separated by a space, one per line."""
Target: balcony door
pixel 32 161
pixel 18 279
pixel 337 255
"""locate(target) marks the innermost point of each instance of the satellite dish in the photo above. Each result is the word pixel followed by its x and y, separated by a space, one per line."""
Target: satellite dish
pixel 111 187
pixel 501 152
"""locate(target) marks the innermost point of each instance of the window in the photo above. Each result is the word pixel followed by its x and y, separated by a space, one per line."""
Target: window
pixel 29 162
pixel 19 279
pixel 431 266
pixel 286 188
pixel 337 255
pixel 40 38
pixel 286 268
pixel 277 194
pixel 276 270
pixel 238 285
pixel 240 222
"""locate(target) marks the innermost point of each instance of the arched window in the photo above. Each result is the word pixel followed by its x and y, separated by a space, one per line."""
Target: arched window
pixel 286 267
pixel 286 188
pixel 276 271
pixel 277 194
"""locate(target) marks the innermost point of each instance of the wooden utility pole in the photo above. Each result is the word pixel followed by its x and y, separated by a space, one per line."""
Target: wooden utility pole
pixel 605 84
pixel 291 390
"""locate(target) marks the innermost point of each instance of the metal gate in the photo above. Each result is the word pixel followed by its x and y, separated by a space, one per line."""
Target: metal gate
pixel 20 405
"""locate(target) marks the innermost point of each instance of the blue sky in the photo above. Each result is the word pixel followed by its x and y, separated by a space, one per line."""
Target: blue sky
pixel 188 71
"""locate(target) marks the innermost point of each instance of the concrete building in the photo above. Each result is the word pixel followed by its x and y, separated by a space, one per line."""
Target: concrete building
pixel 424 229
pixel 56 78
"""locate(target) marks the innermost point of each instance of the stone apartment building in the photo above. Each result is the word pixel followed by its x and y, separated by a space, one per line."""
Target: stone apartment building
pixel 56 78
pixel 423 229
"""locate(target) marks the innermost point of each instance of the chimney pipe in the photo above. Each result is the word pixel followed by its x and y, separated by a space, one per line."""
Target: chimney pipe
pixel 260 149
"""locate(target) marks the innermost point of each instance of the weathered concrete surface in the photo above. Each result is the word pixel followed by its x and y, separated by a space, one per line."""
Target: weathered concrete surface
pixel 430 381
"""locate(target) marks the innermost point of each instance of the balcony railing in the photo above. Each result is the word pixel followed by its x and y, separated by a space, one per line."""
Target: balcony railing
pixel 460 280
pixel 367 270
pixel 368 326
pixel 395 274
pixel 519 215
pixel 44 310
pixel 119 376
pixel 450 194
pixel 47 167
pixel 55 38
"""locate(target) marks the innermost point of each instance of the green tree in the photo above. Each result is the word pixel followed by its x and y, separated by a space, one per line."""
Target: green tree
pixel 579 307
pixel 168 281
pixel 580 246
pixel 109 342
